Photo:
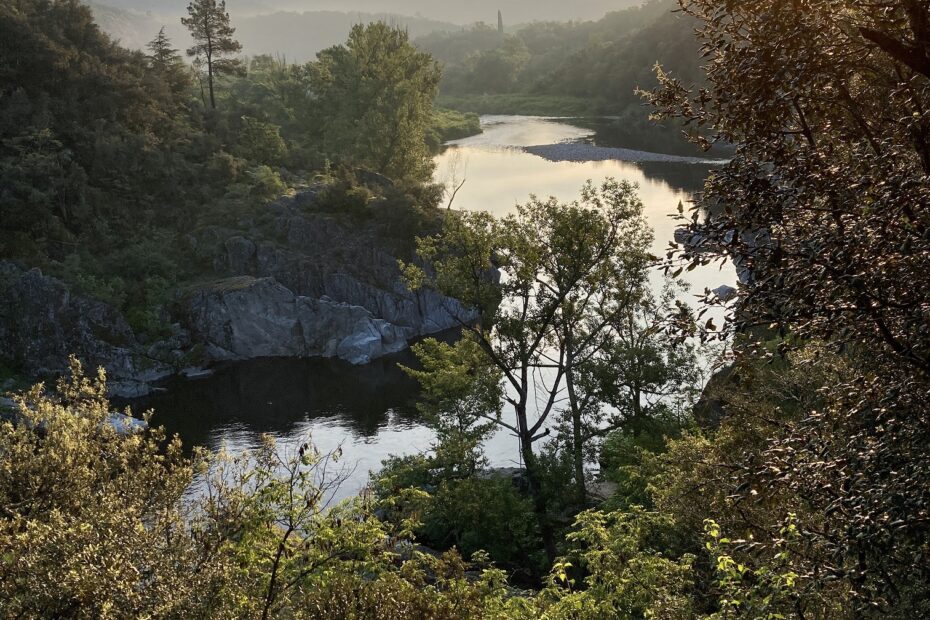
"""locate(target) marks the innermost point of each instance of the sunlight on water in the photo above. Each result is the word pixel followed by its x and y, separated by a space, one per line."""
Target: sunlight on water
pixel 498 176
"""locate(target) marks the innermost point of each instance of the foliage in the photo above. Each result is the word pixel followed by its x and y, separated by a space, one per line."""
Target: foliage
pixel 767 592
pixel 461 399
pixel 209 26
pixel 629 458
pixel 451 125
pixel 91 514
pixel 372 101
pixel 824 209
pixel 261 141
pixel 471 513
pixel 626 570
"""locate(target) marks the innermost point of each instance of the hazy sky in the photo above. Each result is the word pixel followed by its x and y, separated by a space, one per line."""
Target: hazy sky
pixel 458 11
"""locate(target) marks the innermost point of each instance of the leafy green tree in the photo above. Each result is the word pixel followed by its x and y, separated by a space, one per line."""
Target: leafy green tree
pixel 372 102
pixel 91 522
pixel 461 398
pixel 261 142
pixel 498 70
pixel 558 264
pixel 163 55
pixel 620 567
pixel 624 371
pixel 209 26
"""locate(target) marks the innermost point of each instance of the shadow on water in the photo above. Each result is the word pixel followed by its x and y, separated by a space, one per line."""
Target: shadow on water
pixel 688 178
pixel 279 396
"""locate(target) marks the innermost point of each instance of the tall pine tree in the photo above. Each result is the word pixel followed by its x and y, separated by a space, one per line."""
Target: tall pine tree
pixel 167 64
pixel 209 25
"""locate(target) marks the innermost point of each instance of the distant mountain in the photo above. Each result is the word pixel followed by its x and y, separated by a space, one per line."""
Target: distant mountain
pixel 131 28
pixel 299 36
pixel 456 11
pixel 296 36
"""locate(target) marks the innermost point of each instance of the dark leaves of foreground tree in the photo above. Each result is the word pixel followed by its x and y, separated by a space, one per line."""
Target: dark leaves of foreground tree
pixel 825 209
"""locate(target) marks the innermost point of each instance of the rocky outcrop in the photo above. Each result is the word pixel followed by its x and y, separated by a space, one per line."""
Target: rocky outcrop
pixel 308 284
pixel 246 317
pixel 42 322
pixel 292 283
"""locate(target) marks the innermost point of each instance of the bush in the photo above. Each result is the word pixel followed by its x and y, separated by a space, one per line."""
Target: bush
pixel 451 125
pixel 480 513
pixel 97 521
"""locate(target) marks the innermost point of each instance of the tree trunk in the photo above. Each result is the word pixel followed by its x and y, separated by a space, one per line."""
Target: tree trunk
pixel 540 504
pixel 210 70
pixel 578 457
pixel 577 430
pixel 210 80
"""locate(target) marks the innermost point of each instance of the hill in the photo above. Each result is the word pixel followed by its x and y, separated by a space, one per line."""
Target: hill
pixel 296 36
pixel 515 11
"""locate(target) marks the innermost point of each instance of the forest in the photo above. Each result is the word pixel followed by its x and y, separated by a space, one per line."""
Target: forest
pixel 578 68
pixel 791 483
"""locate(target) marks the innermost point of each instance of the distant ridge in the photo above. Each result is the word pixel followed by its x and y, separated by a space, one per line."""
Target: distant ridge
pixel 296 36
pixel 454 11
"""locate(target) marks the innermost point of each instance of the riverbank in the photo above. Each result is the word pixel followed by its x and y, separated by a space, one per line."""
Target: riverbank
pixel 448 125
pixel 519 104
pixel 305 277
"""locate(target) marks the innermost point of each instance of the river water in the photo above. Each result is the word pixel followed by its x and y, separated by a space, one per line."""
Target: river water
pixel 370 411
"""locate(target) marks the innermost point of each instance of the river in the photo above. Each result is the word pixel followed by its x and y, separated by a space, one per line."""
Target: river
pixel 370 411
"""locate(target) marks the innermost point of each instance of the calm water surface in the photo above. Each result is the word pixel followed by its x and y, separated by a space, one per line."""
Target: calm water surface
pixel 370 411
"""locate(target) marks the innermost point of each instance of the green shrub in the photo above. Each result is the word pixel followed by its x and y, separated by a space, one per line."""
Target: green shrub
pixel 451 125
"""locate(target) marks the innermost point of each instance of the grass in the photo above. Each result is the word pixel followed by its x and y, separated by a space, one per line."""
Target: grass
pixel 452 125
pixel 523 104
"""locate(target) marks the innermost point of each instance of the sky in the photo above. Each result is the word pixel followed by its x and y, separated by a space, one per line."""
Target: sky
pixel 456 11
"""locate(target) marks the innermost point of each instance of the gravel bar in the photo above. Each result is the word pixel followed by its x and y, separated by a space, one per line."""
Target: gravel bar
pixel 588 152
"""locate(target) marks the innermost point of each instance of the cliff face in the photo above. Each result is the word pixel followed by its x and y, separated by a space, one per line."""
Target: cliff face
pixel 300 284
pixel 42 322
pixel 306 284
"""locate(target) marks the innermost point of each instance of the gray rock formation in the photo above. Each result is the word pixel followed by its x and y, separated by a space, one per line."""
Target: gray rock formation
pixel 42 323
pixel 296 284
pixel 245 317
pixel 309 285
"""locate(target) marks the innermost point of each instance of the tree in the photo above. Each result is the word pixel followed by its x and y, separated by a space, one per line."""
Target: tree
pixel 163 55
pixel 372 102
pixel 498 70
pixel 623 369
pixel 209 25
pixel 826 206
pixel 167 64
pixel 461 398
pixel 563 267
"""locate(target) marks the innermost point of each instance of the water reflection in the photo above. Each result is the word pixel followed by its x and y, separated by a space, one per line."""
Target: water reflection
pixel 278 395
pixel 499 175
pixel 688 178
